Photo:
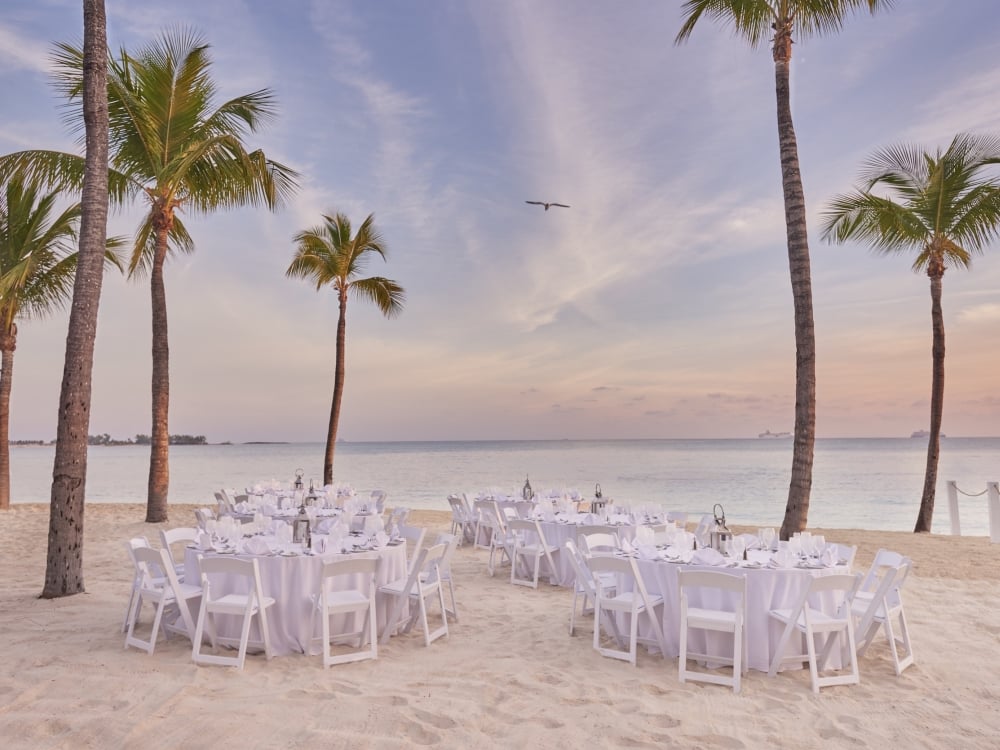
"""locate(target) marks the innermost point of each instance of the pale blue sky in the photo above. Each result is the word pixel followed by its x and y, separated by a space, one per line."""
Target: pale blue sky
pixel 659 305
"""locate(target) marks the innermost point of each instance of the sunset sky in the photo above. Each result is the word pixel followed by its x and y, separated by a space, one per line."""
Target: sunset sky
pixel 658 305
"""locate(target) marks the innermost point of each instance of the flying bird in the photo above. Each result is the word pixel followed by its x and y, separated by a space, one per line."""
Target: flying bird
pixel 539 203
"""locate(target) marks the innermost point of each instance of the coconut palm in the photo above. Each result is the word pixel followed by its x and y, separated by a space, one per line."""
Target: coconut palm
pixel 37 268
pixel 171 145
pixel 329 256
pixel 943 208
pixel 64 558
pixel 778 21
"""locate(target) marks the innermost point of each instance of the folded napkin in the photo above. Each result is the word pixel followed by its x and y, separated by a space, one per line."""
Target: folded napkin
pixel 324 526
pixel 256 545
pixel 643 535
pixel 829 557
pixel 381 539
pixel 708 556
pixel 319 543
pixel 205 540
pixel 784 558
pixel 626 546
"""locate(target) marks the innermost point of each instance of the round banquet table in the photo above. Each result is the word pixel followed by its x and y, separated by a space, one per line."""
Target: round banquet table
pixel 767 588
pixel 293 582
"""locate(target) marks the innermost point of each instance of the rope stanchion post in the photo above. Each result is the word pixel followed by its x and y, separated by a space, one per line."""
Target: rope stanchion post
pixel 956 525
pixel 993 507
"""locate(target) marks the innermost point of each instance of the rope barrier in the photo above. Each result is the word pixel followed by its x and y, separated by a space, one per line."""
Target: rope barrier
pixel 970 494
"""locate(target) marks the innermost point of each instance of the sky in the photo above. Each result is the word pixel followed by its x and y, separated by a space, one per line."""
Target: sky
pixel 657 306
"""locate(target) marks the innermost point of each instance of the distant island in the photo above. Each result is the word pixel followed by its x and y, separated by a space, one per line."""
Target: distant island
pixel 106 439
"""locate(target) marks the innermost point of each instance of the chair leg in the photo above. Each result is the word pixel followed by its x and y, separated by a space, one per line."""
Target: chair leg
pixel 813 669
pixel 737 658
pixel 265 632
pixel 682 656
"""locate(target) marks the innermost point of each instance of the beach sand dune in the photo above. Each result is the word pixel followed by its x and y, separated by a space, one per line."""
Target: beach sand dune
pixel 509 675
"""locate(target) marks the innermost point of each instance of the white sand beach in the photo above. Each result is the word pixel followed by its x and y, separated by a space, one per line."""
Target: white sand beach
pixel 509 675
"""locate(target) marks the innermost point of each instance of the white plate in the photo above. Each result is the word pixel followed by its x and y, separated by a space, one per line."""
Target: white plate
pixel 289 554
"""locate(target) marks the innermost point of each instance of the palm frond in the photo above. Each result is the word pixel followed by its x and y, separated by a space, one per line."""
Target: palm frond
pixel 385 294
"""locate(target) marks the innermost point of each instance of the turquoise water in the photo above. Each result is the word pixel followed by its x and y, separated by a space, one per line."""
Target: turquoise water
pixel 857 483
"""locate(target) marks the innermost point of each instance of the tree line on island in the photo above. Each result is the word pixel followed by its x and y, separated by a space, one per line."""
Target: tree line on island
pixel 939 204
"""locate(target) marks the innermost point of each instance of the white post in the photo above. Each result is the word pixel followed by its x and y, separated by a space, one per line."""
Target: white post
pixel 956 526
pixel 993 506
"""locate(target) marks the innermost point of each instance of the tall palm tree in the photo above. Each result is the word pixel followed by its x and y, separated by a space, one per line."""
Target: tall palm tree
pixel 778 21
pixel 37 268
pixel 329 256
pixel 64 558
pixel 171 145
pixel 940 206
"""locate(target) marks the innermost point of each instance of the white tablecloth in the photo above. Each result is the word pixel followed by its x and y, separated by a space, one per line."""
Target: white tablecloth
pixel 292 582
pixel 767 589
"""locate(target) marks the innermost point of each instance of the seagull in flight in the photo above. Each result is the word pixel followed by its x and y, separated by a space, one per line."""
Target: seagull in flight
pixel 539 203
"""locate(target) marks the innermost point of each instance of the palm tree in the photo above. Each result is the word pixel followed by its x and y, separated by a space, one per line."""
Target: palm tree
pixel 171 145
pixel 64 558
pixel 37 268
pixel 943 208
pixel 778 21
pixel 329 256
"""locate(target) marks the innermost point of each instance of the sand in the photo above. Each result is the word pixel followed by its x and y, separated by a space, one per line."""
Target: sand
pixel 509 675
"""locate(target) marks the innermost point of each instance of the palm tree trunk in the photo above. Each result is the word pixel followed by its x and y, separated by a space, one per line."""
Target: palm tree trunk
pixel 338 390
pixel 64 560
pixel 937 403
pixel 159 451
pixel 797 507
pixel 8 343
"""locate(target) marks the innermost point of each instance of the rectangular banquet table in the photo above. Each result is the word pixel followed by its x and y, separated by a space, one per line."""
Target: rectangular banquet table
pixel 293 582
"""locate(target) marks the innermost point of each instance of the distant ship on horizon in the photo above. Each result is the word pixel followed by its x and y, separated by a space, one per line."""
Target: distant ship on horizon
pixel 923 434
pixel 769 434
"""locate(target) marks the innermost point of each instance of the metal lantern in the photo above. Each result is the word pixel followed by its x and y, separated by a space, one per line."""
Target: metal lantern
pixel 597 504
pixel 298 478
pixel 720 536
pixel 301 531
pixel 526 492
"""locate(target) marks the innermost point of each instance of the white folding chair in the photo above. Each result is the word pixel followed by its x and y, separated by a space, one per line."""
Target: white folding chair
pixel 493 527
pixel 414 537
pixel 585 586
pixel 398 516
pixel 167 593
pixel 883 609
pixel 353 594
pixel 422 582
pixel 462 523
pixel 483 511
pixel 529 544
pixel 809 619
pixel 182 534
pixel 241 605
pixel 134 598
pixel 729 617
pixel 633 604
pixel 203 516
pixel 444 569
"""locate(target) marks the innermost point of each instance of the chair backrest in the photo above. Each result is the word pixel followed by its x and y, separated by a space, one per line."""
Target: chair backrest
pixel 712 579
pixel 701 533
pixel 202 516
pixel 597 541
pixel 458 514
pixel 248 569
pixel 451 542
pixel 398 516
pixel 432 566
pixel 414 537
pixel 845 583
pixel 180 534
pixel 845 553
pixel 150 561
pixel 883 558
pixel 623 566
pixel 584 576
pixel 352 566
pixel 378 499
pixel 527 531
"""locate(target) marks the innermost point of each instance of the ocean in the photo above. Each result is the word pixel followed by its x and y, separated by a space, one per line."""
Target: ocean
pixel 872 483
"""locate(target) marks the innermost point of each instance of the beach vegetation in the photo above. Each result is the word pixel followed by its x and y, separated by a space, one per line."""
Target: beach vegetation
pixel 38 253
pixel 782 22
pixel 174 148
pixel 942 207
pixel 328 255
